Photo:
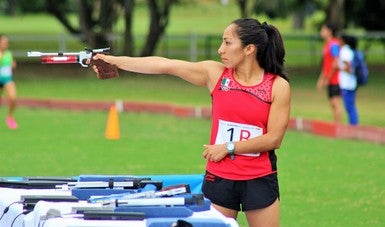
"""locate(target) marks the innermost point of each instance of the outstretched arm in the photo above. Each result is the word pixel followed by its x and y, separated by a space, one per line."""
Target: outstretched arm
pixel 201 73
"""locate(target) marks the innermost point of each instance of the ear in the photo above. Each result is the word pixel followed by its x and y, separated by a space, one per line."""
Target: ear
pixel 250 49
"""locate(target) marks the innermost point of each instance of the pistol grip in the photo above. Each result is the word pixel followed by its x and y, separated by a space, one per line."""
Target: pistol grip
pixel 106 71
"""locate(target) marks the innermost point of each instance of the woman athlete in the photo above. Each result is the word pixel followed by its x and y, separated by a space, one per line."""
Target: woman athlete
pixel 250 112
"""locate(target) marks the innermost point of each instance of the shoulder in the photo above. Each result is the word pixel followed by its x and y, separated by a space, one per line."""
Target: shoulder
pixel 346 51
pixel 211 65
pixel 334 41
pixel 279 81
pixel 8 53
pixel 281 87
pixel 214 71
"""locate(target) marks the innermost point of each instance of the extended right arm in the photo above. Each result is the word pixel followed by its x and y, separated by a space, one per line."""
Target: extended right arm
pixel 203 73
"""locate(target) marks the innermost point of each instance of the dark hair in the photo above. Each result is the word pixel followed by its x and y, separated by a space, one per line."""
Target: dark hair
pixel 332 28
pixel 268 41
pixel 350 40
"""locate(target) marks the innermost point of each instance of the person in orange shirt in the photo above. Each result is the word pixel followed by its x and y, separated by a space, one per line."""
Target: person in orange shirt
pixel 329 73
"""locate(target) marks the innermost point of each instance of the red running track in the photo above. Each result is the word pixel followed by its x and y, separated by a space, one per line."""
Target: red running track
pixel 316 127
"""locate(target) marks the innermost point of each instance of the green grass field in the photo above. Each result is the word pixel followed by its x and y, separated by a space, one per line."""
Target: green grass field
pixel 323 181
pixel 74 82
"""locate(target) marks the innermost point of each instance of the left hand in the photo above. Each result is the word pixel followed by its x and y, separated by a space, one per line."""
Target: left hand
pixel 214 153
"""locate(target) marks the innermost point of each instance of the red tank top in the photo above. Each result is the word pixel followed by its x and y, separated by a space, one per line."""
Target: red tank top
pixel 240 113
pixel 328 58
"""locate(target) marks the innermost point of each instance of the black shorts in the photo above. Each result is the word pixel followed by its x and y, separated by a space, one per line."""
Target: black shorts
pixel 333 90
pixel 242 195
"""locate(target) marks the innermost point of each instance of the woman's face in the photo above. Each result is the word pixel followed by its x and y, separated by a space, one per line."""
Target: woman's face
pixel 325 32
pixel 3 43
pixel 231 49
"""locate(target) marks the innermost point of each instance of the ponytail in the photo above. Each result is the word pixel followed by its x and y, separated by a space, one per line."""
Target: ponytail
pixel 269 43
pixel 273 58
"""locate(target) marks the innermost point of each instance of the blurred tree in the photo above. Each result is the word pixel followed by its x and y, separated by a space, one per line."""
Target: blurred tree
pixel 372 18
pixel 97 18
pixel 60 11
pixel 128 37
pixel 246 7
pixel 159 13
pixel 9 6
pixel 339 12
pixel 371 14
pixel 335 13
pixel 302 9
pixel 272 8
pixel 299 9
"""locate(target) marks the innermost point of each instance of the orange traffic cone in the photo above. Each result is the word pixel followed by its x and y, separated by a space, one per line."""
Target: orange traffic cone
pixel 112 129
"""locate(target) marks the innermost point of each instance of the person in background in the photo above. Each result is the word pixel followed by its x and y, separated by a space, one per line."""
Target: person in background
pixel 329 73
pixel 250 95
pixel 7 64
pixel 347 78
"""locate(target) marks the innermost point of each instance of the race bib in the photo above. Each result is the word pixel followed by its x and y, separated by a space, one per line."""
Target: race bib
pixel 231 131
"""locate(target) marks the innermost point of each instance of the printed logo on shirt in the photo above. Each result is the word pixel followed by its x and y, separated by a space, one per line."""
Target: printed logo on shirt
pixel 225 84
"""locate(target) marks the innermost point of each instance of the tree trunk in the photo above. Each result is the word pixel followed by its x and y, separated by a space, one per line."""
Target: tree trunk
pixel 60 15
pixel 299 14
pixel 335 13
pixel 11 7
pixel 107 16
pixel 85 22
pixel 128 48
pixel 242 7
pixel 158 23
pixel 95 39
pixel 246 7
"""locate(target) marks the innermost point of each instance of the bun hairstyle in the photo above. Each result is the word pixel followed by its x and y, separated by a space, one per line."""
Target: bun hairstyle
pixel 268 41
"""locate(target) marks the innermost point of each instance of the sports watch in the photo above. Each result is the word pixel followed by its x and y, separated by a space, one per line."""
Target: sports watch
pixel 230 148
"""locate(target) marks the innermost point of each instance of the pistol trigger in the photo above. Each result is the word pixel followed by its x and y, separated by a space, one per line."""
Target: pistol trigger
pixel 85 62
